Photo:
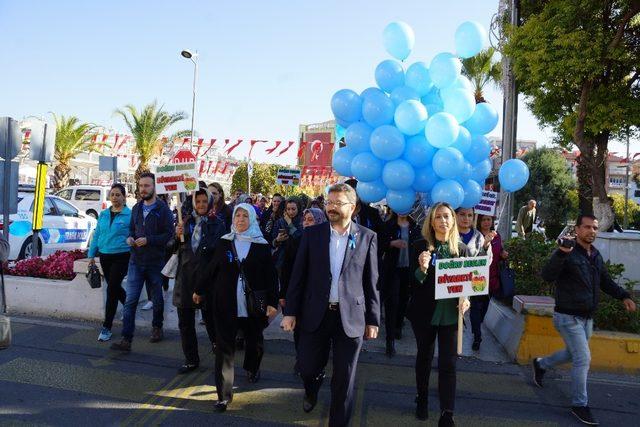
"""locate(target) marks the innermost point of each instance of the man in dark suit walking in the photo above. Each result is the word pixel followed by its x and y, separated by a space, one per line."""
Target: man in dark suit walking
pixel 332 298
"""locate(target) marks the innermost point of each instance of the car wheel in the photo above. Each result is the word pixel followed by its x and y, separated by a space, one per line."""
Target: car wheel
pixel 26 251
pixel 92 213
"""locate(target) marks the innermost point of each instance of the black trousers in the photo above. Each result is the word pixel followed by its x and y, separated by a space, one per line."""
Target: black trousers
pixel 187 325
pixel 226 348
pixel 114 267
pixel 425 340
pixel 313 355
pixel 395 301
pixel 479 307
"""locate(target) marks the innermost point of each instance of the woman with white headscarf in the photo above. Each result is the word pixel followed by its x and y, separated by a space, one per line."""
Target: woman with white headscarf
pixel 241 264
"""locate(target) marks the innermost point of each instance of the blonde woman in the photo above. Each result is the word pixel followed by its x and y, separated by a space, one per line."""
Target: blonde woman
pixel 431 319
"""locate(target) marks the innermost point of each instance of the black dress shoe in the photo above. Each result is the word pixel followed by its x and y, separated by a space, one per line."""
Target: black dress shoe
pixel 476 344
pixel 391 348
pixel 422 408
pixel 254 377
pixel 221 406
pixel 446 419
pixel 187 367
pixel 309 402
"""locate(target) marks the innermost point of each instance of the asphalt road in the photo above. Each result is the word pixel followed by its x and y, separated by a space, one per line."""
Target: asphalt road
pixel 58 374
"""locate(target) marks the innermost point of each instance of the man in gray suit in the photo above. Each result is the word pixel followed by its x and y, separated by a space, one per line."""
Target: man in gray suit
pixel 332 298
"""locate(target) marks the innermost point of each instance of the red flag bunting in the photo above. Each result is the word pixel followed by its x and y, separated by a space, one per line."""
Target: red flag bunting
pixel 286 148
pixel 253 143
pixel 234 146
pixel 303 144
pixel 271 150
pixel 213 141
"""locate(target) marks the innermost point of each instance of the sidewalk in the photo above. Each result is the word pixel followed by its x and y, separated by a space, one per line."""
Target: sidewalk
pixel 56 373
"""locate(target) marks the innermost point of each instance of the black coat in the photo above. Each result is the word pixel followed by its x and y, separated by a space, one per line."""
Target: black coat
pixel 390 232
pixel 220 280
pixel 288 260
pixel 191 265
pixel 422 302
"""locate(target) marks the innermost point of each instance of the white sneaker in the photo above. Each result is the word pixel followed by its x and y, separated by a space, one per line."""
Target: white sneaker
pixel 148 305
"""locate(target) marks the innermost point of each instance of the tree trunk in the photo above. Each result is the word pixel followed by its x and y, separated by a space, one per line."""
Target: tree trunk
pixel 601 206
pixel 585 182
pixel 143 167
pixel 61 176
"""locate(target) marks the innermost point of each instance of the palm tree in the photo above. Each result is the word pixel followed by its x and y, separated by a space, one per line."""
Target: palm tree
pixel 481 69
pixel 146 128
pixel 72 138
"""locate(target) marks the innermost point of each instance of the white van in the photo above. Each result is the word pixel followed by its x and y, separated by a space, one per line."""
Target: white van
pixel 90 199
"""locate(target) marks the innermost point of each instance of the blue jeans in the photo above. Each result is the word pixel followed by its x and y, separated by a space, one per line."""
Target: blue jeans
pixel 575 332
pixel 136 278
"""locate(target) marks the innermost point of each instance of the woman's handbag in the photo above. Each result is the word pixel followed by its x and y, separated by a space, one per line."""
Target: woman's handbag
pixel 507 280
pixel 94 277
pixel 256 299
pixel 171 267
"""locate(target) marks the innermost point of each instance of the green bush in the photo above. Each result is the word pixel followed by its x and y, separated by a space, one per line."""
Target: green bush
pixel 611 314
pixel 527 257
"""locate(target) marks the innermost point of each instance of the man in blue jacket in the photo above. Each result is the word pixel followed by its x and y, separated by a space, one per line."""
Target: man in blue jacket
pixel 150 230
pixel 579 272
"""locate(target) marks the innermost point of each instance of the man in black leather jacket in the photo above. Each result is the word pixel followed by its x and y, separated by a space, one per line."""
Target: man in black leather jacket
pixel 578 272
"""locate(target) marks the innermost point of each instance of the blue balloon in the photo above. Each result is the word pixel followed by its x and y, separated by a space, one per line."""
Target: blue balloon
pixel 463 143
pixel 343 123
pixel 444 69
pixel 433 109
pixel 471 38
pixel 425 179
pixel 342 159
pixel 371 192
pixel 483 120
pixel 448 163
pixel 417 77
pixel 480 149
pixel 346 105
pixel 398 175
pixel 433 97
pixel 513 175
pixel 398 40
pixel 366 167
pixel 403 93
pixel 389 75
pixel 448 191
pixel 461 83
pixel 418 151
pixel 368 91
pixel 480 171
pixel 411 117
pixel 387 143
pixel 401 201
pixel 426 201
pixel 377 109
pixel 465 173
pixel 472 194
pixel 441 130
pixel 357 137
pixel 461 103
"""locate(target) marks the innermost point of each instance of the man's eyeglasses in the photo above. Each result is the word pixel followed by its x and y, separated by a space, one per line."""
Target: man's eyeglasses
pixel 337 204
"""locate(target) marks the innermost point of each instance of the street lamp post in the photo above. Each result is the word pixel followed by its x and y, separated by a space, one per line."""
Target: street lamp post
pixel 192 56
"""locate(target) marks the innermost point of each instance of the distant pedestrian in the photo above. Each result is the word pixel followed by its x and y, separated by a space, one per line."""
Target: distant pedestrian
pixel 220 209
pixel 109 244
pixel 526 219
pixel 579 273
pixel 150 230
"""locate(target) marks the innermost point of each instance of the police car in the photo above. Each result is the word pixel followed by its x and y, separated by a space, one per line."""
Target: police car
pixel 64 227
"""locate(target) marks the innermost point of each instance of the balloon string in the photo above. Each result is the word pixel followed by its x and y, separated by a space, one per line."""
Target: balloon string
pixel 504 205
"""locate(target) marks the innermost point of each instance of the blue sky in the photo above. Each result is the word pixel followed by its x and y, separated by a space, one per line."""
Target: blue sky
pixel 265 66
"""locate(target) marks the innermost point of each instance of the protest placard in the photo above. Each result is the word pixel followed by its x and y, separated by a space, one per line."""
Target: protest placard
pixel 288 177
pixel 487 205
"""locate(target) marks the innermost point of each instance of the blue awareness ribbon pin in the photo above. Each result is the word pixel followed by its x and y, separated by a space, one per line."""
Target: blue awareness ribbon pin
pixel 352 241
pixel 230 256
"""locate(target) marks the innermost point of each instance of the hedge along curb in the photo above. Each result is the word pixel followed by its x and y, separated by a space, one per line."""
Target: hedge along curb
pixel 526 331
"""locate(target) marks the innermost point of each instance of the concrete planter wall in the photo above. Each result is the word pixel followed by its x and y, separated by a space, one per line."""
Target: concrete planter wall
pixel 526 331
pixel 62 299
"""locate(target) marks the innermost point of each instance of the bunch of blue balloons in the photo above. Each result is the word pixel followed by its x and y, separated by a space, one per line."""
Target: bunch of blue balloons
pixel 420 130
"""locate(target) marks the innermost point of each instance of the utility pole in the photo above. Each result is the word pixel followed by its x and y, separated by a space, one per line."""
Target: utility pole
pixel 625 223
pixel 510 120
